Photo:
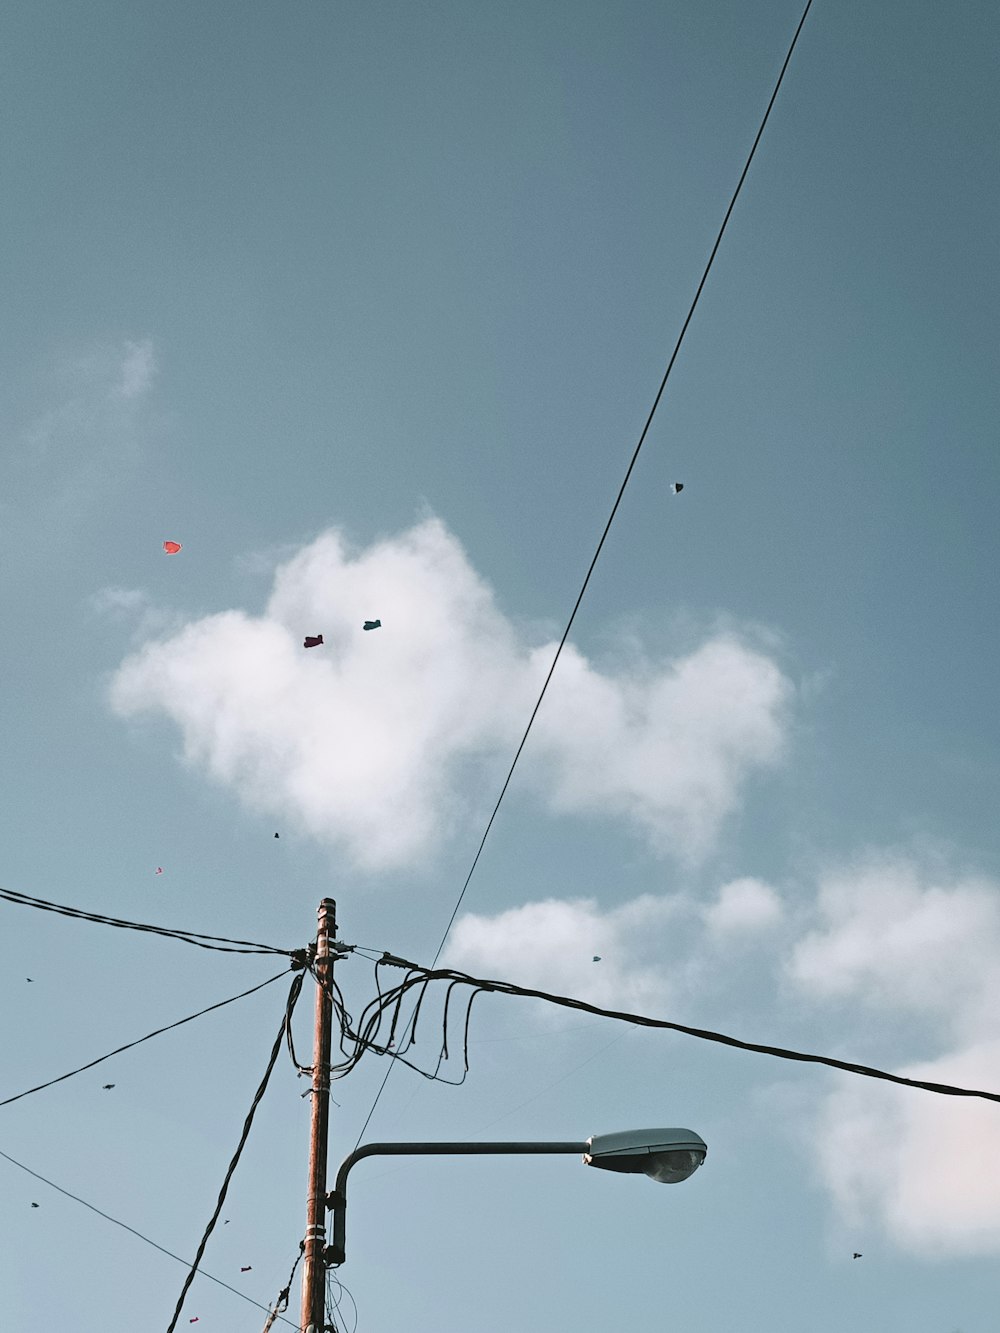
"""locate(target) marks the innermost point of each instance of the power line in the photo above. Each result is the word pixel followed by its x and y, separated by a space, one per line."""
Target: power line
pixel 614 509
pixel 218 942
pixel 125 1227
pixel 286 1020
pixel 422 977
pixel 128 1046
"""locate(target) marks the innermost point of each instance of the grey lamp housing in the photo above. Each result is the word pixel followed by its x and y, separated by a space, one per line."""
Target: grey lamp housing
pixel 666 1155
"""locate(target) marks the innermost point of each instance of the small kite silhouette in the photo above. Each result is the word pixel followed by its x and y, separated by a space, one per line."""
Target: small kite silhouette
pixel 597 957
pixel 312 641
pixel 247 1269
pixel 372 624
pixel 108 1086
pixel 677 487
pixel 34 1205
pixel 29 978
pixel 276 835
pixel 171 548
pixel 159 870
pixel 855 1255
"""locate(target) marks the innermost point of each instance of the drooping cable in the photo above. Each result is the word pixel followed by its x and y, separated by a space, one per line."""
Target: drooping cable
pixel 614 509
pixel 218 942
pixel 149 1035
pixel 417 977
pixel 286 1019
pixel 138 1234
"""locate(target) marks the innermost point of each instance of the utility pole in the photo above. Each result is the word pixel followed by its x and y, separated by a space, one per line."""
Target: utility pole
pixel 314 1265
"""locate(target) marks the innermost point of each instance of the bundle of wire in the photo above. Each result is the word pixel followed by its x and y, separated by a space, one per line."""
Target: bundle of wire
pixel 385 1011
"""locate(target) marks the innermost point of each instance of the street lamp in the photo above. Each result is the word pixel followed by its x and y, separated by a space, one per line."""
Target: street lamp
pixel 665 1155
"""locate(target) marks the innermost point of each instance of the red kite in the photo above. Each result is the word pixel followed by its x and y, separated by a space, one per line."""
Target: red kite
pixel 171 548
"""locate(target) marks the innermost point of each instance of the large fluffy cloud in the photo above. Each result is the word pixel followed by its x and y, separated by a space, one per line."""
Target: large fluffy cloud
pixel 378 742
pixel 898 942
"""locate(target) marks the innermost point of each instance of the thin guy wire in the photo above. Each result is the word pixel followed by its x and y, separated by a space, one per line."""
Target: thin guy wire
pixel 614 511
pixel 187 936
pixel 125 1227
pixel 128 1046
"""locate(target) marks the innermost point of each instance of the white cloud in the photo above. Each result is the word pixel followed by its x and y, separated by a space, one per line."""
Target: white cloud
pixel 900 941
pixel 551 945
pixel 892 934
pixel 921 1165
pixel 380 742
pixel 668 748
pixel 743 907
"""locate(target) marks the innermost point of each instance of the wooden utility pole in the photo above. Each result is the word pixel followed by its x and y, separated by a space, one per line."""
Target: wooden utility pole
pixel 314 1265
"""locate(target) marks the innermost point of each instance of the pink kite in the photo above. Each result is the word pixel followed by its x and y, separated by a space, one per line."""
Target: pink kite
pixel 159 870
pixel 171 548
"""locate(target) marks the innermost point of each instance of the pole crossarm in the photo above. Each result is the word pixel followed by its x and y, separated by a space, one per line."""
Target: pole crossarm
pixel 337 1199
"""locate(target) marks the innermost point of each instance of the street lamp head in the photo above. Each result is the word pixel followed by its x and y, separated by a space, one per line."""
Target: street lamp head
pixel 666 1155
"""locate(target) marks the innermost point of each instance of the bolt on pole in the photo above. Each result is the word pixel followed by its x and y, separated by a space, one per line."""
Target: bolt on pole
pixel 314 1264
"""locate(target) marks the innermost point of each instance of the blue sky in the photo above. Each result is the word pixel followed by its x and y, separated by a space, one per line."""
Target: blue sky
pixel 366 305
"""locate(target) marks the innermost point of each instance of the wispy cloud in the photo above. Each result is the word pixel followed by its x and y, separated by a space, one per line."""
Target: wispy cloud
pixel 136 370
pixel 89 420
pixel 382 742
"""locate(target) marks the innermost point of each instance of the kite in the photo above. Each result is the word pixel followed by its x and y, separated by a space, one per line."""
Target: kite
pixel 276 835
pixel 247 1269
pixel 677 487
pixel 108 1086
pixel 34 1205
pixel 159 870
pixel 312 641
pixel 855 1255
pixel 597 957
pixel 29 978
pixel 372 624
pixel 171 548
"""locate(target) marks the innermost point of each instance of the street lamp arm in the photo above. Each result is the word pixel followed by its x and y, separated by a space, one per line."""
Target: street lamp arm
pixel 337 1200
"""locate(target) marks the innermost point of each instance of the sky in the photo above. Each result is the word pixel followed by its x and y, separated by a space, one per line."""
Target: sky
pixel 366 305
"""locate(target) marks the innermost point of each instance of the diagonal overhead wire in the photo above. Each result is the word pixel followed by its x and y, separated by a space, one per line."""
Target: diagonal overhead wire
pixel 219 942
pixel 132 1231
pixel 149 1035
pixel 614 508
pixel 388 1004
pixel 286 1020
